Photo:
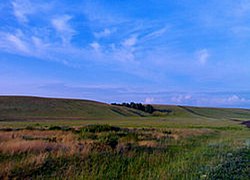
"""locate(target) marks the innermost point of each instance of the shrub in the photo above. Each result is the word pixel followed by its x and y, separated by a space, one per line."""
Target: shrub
pixel 110 139
pixel 7 129
pixel 99 128
pixel 55 128
pixel 30 128
pixel 87 135
pixel 63 128
pixel 167 132
pixel 130 138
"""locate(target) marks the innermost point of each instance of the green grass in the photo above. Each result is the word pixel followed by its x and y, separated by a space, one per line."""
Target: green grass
pixel 161 122
pixel 21 108
pixel 222 113
pixel 122 143
pixel 34 108
pixel 214 155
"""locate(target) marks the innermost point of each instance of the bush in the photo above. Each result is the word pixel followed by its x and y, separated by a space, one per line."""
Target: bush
pixel 99 128
pixel 55 128
pixel 148 108
pixel 87 135
pixel 167 132
pixel 63 128
pixel 30 128
pixel 130 138
pixel 110 139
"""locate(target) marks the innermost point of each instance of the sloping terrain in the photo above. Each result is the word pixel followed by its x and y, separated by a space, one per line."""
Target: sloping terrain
pixel 235 114
pixel 35 108
pixel 44 138
pixel 21 108
pixel 177 111
pixel 221 113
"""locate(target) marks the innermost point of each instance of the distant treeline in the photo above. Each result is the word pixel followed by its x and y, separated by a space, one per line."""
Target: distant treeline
pixel 139 106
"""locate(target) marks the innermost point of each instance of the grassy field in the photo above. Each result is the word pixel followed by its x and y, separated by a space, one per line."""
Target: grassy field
pixel 73 139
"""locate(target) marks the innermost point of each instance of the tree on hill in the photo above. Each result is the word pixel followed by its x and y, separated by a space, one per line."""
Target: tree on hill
pixel 148 108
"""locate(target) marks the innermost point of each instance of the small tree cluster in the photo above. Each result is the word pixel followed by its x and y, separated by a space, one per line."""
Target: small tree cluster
pixel 139 106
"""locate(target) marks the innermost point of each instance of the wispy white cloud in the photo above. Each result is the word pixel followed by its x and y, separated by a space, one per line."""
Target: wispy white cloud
pixel 123 55
pixel 14 42
pixel 202 56
pixel 62 26
pixel 95 12
pixel 104 33
pixel 17 42
pixel 22 8
pixel 149 100
pixel 234 99
pixel 129 42
pixel 219 99
pixel 95 45
pixel 22 44
pixel 155 34
pixel 39 44
pixel 181 99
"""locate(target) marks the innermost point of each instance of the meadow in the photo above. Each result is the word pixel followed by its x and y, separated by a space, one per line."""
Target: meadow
pixel 73 139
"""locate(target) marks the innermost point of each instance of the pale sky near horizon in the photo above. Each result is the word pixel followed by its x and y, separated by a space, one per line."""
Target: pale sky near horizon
pixel 185 52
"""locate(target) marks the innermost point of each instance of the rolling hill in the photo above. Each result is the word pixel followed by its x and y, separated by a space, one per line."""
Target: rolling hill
pixel 36 108
pixel 235 114
pixel 22 108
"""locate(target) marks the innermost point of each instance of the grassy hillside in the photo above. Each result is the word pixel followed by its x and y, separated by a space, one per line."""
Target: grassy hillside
pixel 221 113
pixel 22 108
pixel 177 111
pixel 207 113
pixel 35 108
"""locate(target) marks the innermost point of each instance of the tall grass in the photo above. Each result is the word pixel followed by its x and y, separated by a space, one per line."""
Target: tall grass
pixel 123 153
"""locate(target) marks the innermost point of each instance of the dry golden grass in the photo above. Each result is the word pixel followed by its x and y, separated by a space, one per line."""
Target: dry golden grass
pixel 148 143
pixel 32 162
pixel 35 134
pixel 59 143
pixel 6 168
pixel 34 147
pixel 46 141
pixel 159 135
pixel 184 133
pixel 6 136
pixel 17 146
pixel 38 146
pixel 37 160
pixel 34 141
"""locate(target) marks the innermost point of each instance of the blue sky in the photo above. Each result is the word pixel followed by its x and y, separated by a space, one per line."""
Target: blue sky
pixel 152 51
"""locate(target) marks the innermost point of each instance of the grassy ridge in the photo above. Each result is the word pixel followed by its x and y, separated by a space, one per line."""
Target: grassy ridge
pixel 70 112
pixel 34 108
pixel 208 113
pixel 221 113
